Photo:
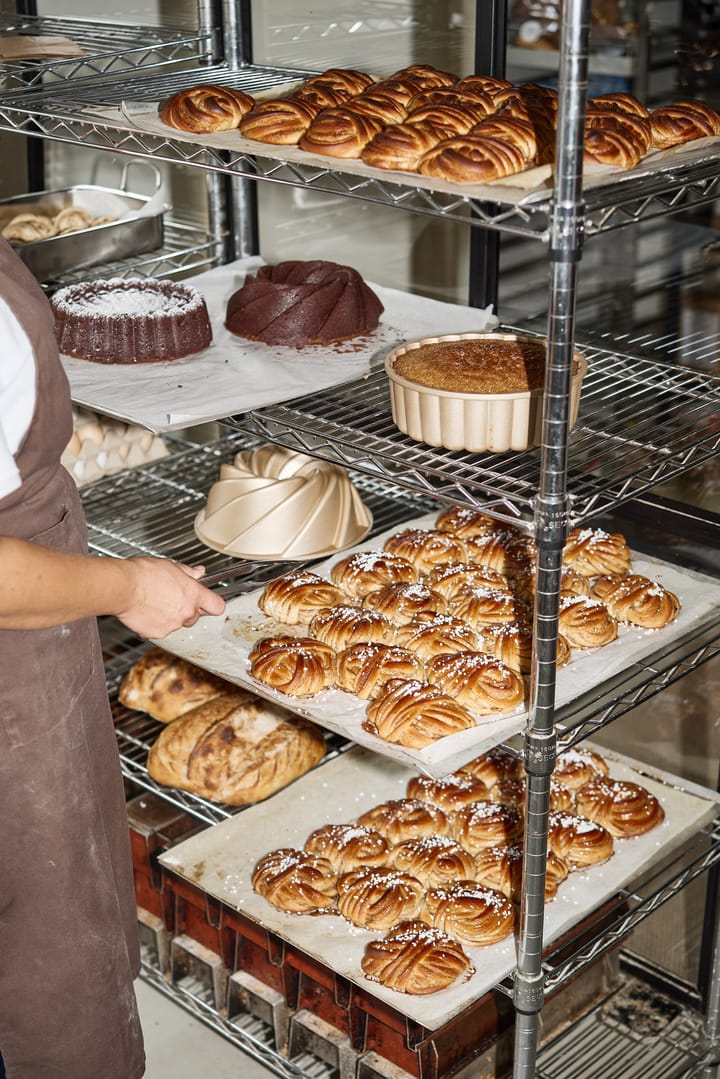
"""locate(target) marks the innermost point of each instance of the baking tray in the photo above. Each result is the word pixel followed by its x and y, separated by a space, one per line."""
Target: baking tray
pixel 223 645
pixel 137 228
pixel 220 861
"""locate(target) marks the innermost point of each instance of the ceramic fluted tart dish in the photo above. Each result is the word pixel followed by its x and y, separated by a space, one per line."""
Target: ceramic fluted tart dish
pixel 474 391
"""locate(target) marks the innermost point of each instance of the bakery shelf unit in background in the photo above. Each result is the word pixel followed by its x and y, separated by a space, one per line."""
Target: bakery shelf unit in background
pixel 612 460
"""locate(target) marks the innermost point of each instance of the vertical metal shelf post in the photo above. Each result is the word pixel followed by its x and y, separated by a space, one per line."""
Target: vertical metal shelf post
pixel 551 524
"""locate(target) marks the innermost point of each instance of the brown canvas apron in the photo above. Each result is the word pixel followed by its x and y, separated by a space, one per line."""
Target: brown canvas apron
pixel 68 928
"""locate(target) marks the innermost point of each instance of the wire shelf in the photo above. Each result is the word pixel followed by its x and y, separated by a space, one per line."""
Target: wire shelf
pixel 641 423
pixel 108 49
pixel 186 249
pixel 74 114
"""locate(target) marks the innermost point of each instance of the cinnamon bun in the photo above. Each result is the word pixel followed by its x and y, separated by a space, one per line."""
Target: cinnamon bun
pixel 450 792
pixel 297 666
pixel 348 846
pixel 295 881
pixel 403 603
pixel 592 552
pixel 576 767
pixel 405 818
pixel 363 669
pixel 624 808
pixel 436 634
pixel 495 764
pixel 638 600
pixel 479 682
pixel 486 824
pixel 451 578
pixel 415 958
pixel 414 714
pixel 343 626
pixel 465 521
pixel 427 548
pixel 297 597
pixel 367 571
pixel 470 912
pixel 586 622
pixel 433 860
pixel 579 841
pixel 378 897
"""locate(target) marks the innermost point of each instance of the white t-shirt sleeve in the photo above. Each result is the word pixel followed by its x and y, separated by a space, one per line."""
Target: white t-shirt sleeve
pixel 17 395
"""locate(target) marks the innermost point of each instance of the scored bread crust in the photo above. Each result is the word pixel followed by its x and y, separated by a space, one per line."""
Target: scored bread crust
pixel 235 749
pixel 166 687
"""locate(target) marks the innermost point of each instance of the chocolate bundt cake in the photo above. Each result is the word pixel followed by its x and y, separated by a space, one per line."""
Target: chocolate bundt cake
pixel 130 320
pixel 303 303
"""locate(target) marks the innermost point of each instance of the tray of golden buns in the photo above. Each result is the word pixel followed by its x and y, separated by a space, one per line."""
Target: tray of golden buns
pixel 424 126
pixel 409 886
pixel 417 642
pixel 63 229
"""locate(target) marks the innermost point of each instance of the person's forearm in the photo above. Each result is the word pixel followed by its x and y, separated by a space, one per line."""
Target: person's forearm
pixel 40 587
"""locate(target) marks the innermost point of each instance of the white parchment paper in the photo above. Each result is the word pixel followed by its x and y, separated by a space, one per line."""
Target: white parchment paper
pixel 234 375
pixel 223 646
pixel 220 861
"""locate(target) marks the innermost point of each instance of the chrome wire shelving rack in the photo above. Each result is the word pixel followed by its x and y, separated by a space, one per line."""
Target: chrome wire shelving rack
pixel 150 510
pixel 107 49
pixel 89 112
pixel 641 423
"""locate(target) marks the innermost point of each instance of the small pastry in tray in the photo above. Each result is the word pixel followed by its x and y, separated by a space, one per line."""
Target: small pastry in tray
pixel 295 881
pixel 465 521
pixel 405 818
pixel 470 913
pixel 506 552
pixel 414 713
pixel 593 551
pixel 425 76
pixel 433 859
pixel 450 792
pixel 24 228
pixel 585 622
pixel 624 808
pixel 509 792
pixel 343 626
pixel 427 548
pixel 280 121
pixel 367 571
pixel 434 634
pixel 378 897
pixel 479 682
pixel 206 108
pixel 481 606
pixel 452 577
pixel 576 767
pixel 297 597
pixel 416 958
pixel 348 846
pixel 500 868
pixel 638 600
pixel 403 603
pixel 298 666
pixel 486 824
pixel 497 763
pixel 579 841
pixel 400 146
pixel 166 687
pixel 364 669
pixel 347 81
pixel 340 132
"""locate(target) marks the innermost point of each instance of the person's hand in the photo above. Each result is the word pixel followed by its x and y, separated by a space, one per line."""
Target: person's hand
pixel 164 596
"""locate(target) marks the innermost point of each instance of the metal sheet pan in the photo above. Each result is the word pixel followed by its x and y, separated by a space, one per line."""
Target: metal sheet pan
pixel 220 861
pixel 137 227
